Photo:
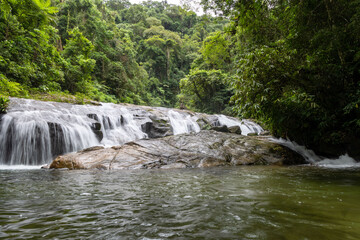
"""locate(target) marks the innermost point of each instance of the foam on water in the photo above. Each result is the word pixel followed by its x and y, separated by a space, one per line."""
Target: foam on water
pixel 19 167
pixel 344 161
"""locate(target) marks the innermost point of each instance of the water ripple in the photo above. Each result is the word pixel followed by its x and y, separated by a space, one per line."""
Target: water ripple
pixel 220 203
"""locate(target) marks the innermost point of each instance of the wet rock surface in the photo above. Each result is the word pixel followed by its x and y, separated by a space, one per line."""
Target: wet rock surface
pixel 203 149
pixel 158 127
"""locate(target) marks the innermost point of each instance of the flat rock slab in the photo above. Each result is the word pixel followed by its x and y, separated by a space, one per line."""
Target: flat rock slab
pixel 204 149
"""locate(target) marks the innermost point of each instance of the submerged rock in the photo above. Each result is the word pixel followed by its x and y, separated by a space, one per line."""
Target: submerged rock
pixel 203 149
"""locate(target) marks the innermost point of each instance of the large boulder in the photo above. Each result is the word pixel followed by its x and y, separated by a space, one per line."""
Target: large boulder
pixel 203 149
pixel 158 127
pixel 207 122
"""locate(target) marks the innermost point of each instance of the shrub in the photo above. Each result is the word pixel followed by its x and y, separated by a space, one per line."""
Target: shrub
pixel 4 103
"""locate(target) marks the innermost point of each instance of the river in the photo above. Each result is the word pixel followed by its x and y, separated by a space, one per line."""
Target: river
pixel 253 202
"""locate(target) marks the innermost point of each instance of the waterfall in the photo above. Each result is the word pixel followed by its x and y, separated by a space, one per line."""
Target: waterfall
pixel 309 155
pixel 343 161
pixel 34 137
pixel 118 126
pixel 246 126
pixel 34 132
pixel 181 124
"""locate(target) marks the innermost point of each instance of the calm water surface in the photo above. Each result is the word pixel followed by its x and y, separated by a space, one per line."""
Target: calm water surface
pixel 217 203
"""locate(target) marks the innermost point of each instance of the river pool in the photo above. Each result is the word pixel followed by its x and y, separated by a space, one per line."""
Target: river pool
pixel 252 202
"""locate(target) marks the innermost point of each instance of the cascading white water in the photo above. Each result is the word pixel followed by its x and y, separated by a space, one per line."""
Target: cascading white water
pixel 343 161
pixel 120 128
pixel 181 124
pixel 25 137
pixel 246 126
pixel 309 155
pixel 33 132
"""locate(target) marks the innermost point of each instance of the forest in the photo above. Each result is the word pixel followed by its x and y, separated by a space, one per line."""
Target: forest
pixel 293 65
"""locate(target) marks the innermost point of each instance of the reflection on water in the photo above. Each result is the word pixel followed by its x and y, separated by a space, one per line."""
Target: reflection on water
pixel 217 203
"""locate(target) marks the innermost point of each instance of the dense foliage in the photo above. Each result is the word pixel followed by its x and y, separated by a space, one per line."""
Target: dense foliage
pixel 295 64
pixel 103 50
pixel 207 87
pixel 296 67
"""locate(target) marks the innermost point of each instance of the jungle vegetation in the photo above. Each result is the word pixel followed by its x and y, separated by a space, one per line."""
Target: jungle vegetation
pixel 292 64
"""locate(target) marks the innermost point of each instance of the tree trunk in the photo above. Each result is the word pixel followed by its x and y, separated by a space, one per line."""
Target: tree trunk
pixel 168 63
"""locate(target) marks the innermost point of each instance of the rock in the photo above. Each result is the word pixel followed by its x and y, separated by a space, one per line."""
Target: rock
pixel 93 116
pixel 203 149
pixel 92 149
pixel 203 121
pixel 96 103
pixel 213 120
pixel 46 166
pixel 57 138
pixel 235 129
pixel 158 127
pixel 265 133
pixel 203 124
pixel 93 158
pixel 96 126
pixel 222 128
pixel 252 134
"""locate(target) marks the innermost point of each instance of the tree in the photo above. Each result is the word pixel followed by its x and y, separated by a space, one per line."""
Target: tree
pixel 205 90
pixel 215 51
pixel 297 67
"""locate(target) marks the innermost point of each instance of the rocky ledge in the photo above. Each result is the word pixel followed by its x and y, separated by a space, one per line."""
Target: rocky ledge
pixel 204 149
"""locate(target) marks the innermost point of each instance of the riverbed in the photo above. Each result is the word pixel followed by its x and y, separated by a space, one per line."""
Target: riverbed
pixel 252 202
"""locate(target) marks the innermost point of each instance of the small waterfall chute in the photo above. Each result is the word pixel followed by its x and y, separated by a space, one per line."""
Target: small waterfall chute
pixel 343 161
pixel 120 128
pixel 245 125
pixel 182 124
pixel 309 155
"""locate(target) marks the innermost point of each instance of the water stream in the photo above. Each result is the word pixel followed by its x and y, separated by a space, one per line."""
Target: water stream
pixel 34 132
pixel 315 201
pixel 343 161
pixel 251 202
